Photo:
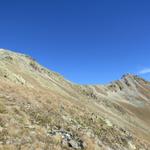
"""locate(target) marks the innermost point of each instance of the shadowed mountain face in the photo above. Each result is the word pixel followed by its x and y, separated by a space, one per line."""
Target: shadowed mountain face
pixel 40 110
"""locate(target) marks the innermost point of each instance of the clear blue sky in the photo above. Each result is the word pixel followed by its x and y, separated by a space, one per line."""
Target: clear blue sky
pixel 86 41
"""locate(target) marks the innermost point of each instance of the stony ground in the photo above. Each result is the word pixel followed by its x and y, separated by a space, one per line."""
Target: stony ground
pixel 40 110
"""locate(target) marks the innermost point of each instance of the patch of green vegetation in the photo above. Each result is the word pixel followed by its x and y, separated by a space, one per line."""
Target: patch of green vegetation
pixel 41 118
pixel 3 135
pixel 34 66
pixel 2 108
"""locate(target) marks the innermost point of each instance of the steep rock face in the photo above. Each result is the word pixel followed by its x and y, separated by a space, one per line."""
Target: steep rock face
pixel 39 109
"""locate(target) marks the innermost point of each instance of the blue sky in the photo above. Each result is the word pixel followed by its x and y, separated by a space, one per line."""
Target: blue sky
pixel 87 41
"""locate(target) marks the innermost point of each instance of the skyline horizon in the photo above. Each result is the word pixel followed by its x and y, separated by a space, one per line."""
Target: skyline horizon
pixel 121 76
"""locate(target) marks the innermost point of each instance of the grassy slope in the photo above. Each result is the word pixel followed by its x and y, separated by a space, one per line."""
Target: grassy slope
pixel 35 101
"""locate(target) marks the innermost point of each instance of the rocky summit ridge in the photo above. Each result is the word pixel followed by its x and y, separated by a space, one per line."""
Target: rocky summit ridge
pixel 41 110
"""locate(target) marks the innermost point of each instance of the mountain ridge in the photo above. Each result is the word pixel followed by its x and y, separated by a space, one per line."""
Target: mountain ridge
pixel 41 104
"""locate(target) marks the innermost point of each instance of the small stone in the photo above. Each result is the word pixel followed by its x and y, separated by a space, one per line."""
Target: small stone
pixel 1 129
pixel 73 144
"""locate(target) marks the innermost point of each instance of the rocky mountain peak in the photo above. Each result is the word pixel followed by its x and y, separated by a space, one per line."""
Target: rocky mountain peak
pixel 128 75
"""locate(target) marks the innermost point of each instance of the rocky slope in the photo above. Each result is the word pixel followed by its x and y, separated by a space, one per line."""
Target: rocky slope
pixel 40 110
